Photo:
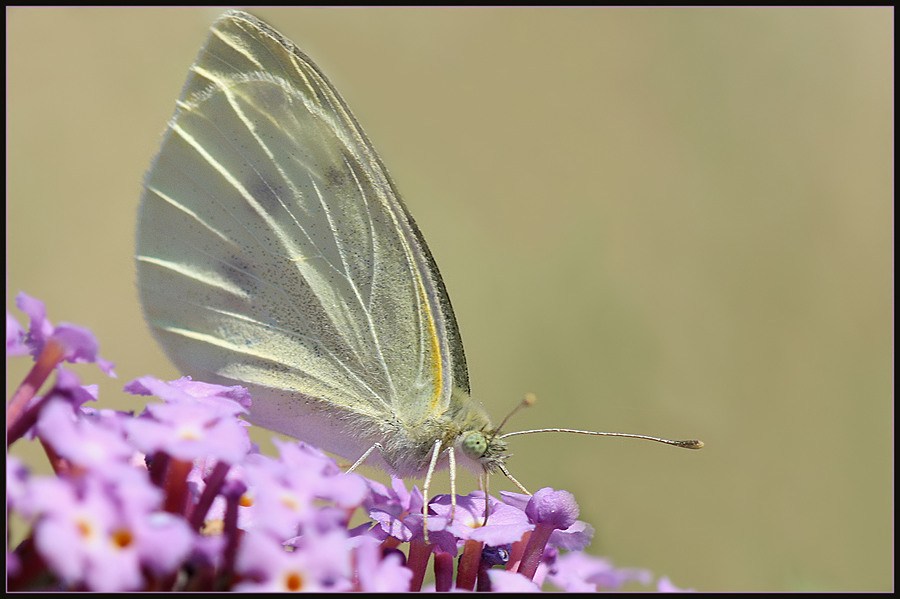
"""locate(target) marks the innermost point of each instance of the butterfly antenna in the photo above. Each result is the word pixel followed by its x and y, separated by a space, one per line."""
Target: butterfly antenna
pixel 528 400
pixel 686 444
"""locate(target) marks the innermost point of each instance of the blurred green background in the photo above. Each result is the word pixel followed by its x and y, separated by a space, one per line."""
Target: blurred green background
pixel 675 222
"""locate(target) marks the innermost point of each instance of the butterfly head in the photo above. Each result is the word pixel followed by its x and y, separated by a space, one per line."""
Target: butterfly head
pixel 486 448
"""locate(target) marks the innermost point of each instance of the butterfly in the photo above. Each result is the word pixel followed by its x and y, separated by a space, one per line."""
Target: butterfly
pixel 274 252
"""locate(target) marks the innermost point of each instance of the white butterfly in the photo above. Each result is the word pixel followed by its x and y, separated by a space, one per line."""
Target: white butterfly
pixel 274 252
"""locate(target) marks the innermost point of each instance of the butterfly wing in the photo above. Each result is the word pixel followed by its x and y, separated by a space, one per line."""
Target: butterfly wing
pixel 274 252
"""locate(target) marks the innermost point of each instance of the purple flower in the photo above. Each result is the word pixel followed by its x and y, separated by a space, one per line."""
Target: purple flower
pixel 267 567
pixel 49 345
pixel 40 329
pixel 505 524
pixel 330 552
pixel 396 511
pixel 576 537
pixel 68 388
pixel 664 585
pixel 163 541
pixel 25 408
pixel 226 401
pixel 189 426
pixel 578 572
pixel 16 482
pixel 81 535
pixel 78 343
pixel 556 509
pixel 83 441
pixel 505 581
pixel 377 574
pixel 15 337
pixel 288 492
pixel 329 482
pixel 114 520
pixel 100 532
pixel 549 510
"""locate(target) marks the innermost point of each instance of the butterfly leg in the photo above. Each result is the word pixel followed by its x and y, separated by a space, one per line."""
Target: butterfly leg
pixel 484 487
pixel 512 478
pixel 452 457
pixel 364 456
pixel 425 486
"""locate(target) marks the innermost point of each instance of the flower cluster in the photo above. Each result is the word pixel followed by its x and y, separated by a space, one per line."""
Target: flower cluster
pixel 178 498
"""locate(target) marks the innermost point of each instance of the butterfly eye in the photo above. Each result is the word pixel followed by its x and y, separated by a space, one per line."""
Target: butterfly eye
pixel 474 445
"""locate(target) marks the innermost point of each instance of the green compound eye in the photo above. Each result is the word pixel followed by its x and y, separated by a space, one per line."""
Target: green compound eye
pixel 474 445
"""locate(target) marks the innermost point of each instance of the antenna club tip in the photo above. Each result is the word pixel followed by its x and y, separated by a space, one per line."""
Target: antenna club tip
pixel 529 400
pixel 691 444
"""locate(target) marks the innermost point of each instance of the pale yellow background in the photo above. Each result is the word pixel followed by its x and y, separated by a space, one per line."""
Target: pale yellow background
pixel 667 221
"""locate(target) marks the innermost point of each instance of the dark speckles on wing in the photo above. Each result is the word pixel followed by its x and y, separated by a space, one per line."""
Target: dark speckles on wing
pixel 334 177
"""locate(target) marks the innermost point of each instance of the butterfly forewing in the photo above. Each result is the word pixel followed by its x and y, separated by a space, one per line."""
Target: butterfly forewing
pixel 273 251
